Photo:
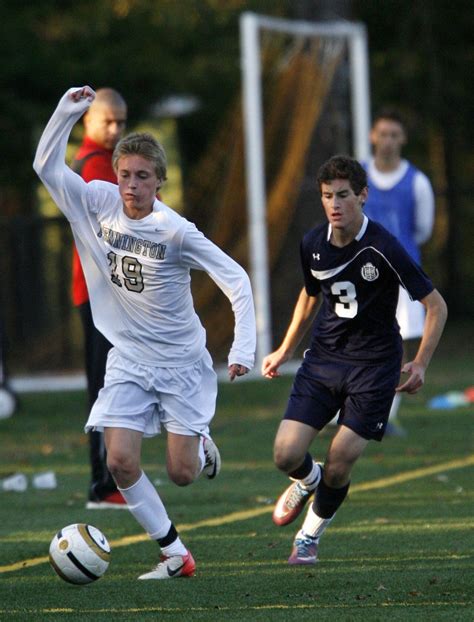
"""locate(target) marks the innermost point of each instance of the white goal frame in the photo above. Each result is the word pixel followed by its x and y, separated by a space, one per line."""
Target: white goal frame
pixel 250 26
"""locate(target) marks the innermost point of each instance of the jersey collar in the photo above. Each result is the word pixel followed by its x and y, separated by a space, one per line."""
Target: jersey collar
pixel 359 236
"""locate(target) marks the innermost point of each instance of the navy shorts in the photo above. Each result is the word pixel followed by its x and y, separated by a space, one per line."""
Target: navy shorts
pixel 362 394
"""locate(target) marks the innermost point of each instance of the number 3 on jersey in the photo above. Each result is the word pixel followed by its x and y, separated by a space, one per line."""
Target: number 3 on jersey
pixel 346 293
pixel 131 270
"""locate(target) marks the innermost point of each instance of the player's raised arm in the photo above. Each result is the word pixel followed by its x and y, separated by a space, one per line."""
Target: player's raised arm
pixel 303 316
pixel 436 315
pixel 64 185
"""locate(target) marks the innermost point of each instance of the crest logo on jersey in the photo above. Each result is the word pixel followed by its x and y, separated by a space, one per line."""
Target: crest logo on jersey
pixel 369 272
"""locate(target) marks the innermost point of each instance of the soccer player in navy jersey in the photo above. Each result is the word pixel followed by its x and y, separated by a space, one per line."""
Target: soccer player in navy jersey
pixel 354 267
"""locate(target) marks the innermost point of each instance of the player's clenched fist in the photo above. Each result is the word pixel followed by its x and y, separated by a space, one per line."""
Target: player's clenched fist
pixel 78 94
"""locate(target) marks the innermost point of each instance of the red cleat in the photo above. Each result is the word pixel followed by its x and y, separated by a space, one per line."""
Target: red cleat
pixel 112 501
pixel 290 504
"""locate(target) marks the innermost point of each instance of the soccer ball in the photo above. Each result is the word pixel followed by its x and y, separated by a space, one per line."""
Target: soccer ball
pixel 79 553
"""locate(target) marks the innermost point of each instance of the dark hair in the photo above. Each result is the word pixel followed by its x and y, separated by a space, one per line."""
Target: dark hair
pixel 389 114
pixel 109 97
pixel 343 167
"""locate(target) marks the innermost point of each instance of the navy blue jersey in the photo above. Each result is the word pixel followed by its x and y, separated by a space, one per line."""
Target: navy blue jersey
pixel 359 284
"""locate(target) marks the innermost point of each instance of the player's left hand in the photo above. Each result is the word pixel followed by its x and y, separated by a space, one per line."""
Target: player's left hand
pixel 416 379
pixel 237 370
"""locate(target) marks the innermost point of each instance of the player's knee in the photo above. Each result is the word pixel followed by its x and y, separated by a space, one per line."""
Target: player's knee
pixel 286 458
pixel 337 473
pixel 182 475
pixel 122 466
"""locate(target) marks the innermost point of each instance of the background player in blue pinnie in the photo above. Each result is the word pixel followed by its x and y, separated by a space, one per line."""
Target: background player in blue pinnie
pixel 401 199
pixel 353 364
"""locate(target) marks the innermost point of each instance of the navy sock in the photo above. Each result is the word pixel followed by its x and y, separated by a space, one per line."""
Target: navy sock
pixel 304 470
pixel 327 500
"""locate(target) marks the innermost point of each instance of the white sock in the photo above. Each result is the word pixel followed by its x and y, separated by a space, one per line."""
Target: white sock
pixel 175 548
pixel 146 506
pixel 311 481
pixel 395 406
pixel 201 455
pixel 314 525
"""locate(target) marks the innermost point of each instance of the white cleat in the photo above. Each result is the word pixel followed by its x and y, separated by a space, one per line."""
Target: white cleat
pixel 212 466
pixel 172 567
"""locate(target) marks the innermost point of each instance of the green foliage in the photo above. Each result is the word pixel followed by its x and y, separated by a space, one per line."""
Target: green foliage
pixel 143 48
pixel 418 64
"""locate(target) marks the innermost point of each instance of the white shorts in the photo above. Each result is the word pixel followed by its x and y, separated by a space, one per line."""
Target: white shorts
pixel 410 316
pixel 143 398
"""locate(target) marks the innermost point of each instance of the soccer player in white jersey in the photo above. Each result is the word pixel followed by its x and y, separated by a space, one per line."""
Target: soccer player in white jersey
pixel 354 360
pixel 401 199
pixel 137 254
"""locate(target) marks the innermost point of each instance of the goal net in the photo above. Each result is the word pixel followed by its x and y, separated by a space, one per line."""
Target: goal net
pixel 305 97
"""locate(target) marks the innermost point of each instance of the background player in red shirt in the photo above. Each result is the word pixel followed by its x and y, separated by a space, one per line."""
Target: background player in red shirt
pixel 104 124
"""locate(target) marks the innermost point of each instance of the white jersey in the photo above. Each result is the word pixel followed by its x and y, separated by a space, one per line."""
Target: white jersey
pixel 138 271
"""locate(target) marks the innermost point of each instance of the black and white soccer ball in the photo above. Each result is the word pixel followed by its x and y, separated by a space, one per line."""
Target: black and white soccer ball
pixel 79 553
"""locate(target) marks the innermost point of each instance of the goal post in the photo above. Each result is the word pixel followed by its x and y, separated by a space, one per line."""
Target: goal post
pixel 251 27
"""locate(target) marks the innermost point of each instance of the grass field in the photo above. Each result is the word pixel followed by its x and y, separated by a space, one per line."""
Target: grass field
pixel 401 548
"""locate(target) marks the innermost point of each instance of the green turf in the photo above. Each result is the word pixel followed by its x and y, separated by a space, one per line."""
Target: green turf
pixel 399 552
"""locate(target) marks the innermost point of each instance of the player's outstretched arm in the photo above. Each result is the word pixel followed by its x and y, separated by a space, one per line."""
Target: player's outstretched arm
pixel 436 315
pixel 65 186
pixel 303 316
pixel 70 108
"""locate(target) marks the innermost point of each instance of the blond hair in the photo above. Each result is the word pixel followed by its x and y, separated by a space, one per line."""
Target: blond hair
pixel 145 145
